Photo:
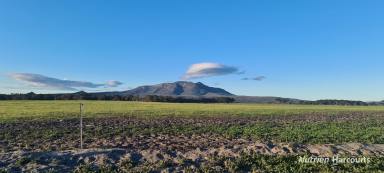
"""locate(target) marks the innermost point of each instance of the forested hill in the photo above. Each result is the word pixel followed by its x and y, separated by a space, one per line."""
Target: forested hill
pixel 179 92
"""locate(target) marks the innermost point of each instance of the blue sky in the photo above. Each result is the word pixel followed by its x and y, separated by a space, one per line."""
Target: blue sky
pixel 304 49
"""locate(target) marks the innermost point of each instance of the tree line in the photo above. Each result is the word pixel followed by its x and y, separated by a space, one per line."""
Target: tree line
pixel 156 98
pixel 115 97
pixel 330 102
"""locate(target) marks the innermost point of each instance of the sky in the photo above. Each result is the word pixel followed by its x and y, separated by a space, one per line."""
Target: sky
pixel 320 49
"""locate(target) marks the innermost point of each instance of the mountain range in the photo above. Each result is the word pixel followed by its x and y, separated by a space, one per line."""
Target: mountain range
pixel 180 88
pixel 199 90
pixel 181 91
pixel 191 89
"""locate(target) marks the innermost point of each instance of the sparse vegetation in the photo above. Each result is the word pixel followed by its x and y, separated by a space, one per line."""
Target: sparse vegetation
pixel 176 129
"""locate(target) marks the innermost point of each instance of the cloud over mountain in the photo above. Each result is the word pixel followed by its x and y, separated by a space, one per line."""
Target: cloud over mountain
pixel 42 81
pixel 208 69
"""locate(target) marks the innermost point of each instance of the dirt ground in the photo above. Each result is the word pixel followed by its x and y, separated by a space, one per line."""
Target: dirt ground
pixel 52 146
pixel 156 149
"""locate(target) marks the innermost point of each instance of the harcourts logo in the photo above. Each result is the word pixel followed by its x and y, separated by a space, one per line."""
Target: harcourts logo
pixel 333 160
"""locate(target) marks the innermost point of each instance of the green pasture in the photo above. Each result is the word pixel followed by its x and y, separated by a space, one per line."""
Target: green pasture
pixel 11 110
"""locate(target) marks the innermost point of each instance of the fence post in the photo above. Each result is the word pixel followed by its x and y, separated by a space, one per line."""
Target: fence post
pixel 81 125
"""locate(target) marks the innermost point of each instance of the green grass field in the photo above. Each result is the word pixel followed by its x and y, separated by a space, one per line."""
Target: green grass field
pixel 10 110
pixel 281 123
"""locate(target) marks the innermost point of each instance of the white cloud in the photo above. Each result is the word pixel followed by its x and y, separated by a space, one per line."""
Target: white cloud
pixel 113 83
pixel 208 69
pixel 258 78
pixel 41 81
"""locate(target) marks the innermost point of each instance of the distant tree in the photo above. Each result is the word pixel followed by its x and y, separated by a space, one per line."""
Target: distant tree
pixel 116 98
pixel 3 97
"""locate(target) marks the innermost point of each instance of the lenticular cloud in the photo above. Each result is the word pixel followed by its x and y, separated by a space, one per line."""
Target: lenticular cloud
pixel 41 81
pixel 207 69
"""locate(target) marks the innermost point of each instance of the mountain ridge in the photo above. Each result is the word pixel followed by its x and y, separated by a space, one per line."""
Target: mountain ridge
pixel 179 88
pixel 181 92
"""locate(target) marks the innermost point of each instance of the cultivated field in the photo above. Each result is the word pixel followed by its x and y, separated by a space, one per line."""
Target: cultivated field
pixel 144 137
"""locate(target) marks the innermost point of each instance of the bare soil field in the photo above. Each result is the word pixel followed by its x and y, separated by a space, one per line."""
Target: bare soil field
pixel 153 137
pixel 209 144
pixel 176 155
